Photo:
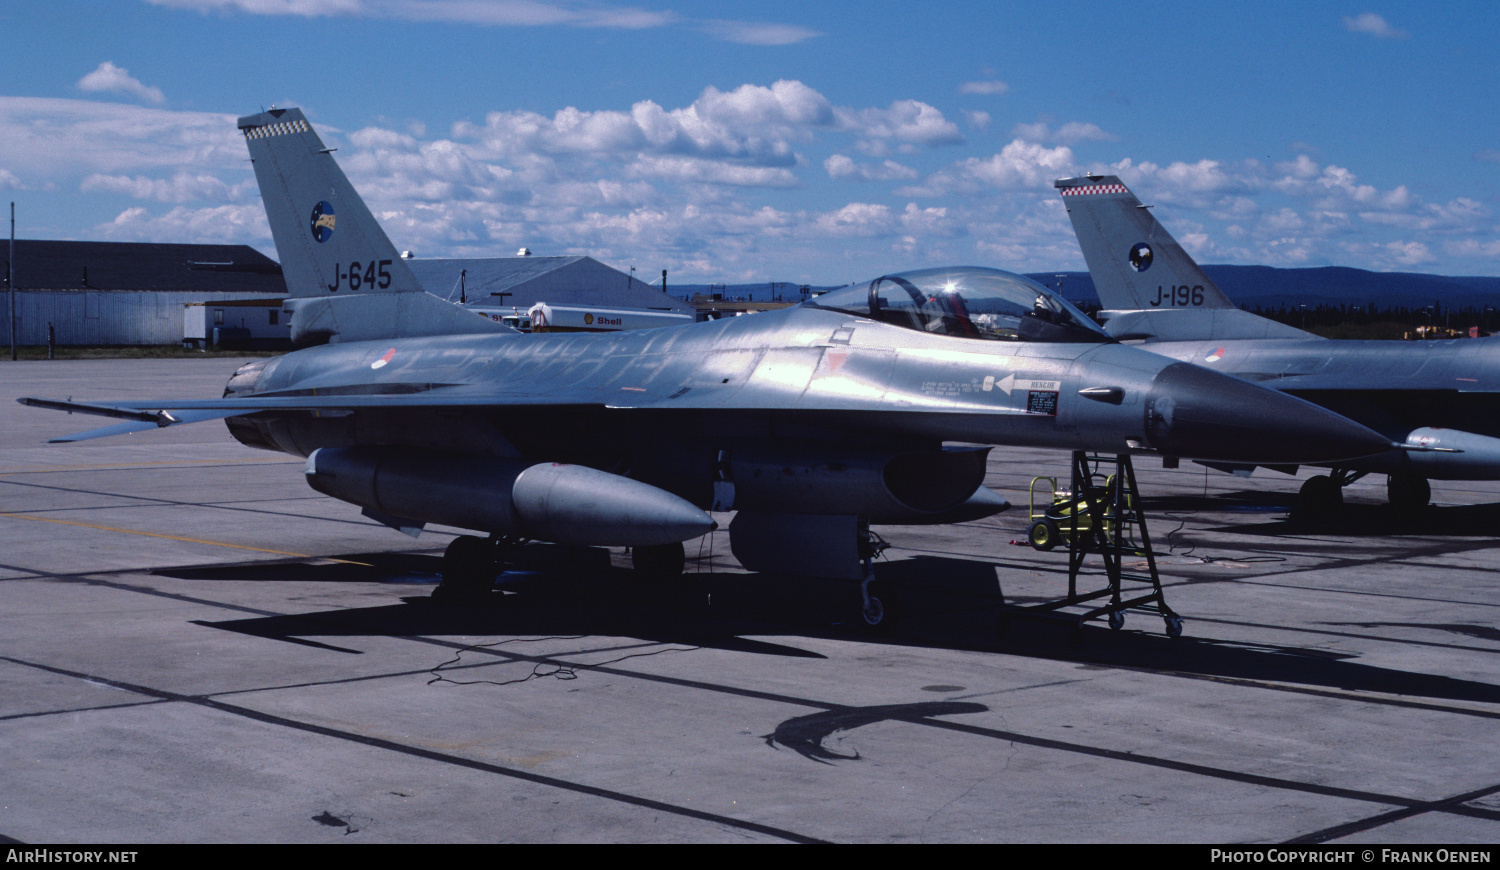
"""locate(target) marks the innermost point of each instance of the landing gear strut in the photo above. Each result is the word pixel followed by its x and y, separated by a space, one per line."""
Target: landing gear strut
pixel 1324 494
pixel 872 609
pixel 661 562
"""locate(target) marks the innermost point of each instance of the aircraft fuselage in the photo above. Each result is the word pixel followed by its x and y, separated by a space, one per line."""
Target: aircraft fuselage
pixel 635 402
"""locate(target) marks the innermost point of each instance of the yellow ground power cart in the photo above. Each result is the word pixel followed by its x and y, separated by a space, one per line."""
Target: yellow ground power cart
pixel 1052 522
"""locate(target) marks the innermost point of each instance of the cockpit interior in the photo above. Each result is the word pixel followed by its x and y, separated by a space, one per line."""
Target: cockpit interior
pixel 967 302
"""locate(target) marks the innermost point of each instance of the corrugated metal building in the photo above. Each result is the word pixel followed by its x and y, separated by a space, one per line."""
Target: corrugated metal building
pixel 118 293
pixel 127 293
pixel 520 282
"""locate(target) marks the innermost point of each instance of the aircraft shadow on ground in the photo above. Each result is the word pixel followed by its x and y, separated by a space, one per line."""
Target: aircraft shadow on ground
pixel 804 735
pixel 1240 501
pixel 933 601
pixel 1352 520
pixel 1367 521
pixel 350 568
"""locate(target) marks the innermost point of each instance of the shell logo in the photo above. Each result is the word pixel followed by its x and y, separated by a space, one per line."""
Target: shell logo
pixel 588 319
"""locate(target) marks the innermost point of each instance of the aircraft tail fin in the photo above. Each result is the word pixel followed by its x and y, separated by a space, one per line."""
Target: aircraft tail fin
pixel 1134 261
pixel 346 279
pixel 328 241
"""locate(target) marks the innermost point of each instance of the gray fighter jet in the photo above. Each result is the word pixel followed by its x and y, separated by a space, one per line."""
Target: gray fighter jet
pixel 1439 399
pixel 861 406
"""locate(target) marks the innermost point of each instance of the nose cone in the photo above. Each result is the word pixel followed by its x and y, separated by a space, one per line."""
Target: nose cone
pixel 1201 414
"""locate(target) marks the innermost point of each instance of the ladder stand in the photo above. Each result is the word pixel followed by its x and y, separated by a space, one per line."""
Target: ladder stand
pixel 1103 517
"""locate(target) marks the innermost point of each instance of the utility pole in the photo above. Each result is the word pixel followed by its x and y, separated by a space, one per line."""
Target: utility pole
pixel 10 280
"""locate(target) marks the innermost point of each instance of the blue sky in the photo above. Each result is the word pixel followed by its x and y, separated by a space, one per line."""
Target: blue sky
pixel 811 142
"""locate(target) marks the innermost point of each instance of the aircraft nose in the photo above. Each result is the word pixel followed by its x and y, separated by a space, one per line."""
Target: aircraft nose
pixel 1201 414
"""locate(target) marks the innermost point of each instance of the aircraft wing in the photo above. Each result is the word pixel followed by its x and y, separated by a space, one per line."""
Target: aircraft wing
pixel 160 419
pixel 159 414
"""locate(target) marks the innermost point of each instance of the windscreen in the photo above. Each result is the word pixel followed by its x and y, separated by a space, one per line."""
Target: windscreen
pixel 967 302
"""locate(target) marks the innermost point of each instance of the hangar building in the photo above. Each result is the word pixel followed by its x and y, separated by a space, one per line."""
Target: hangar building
pixel 119 293
pixel 129 293
pixel 520 282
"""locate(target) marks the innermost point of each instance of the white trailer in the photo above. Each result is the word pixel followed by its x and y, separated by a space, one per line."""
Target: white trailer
pixel 237 323
pixel 569 318
pixel 544 317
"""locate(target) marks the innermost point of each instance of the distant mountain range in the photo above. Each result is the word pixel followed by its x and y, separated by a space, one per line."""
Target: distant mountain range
pixel 1253 286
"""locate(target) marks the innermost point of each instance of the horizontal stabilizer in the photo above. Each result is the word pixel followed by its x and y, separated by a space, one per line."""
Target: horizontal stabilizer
pixel 374 317
pixel 1194 325
pixel 153 417
pixel 135 425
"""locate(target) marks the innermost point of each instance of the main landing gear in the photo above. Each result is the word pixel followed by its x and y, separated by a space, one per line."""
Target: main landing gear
pixel 1408 492
pixel 1324 494
pixel 470 566
pixel 661 562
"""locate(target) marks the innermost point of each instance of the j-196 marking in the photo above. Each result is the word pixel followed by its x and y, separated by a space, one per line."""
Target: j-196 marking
pixel 370 277
pixel 1181 295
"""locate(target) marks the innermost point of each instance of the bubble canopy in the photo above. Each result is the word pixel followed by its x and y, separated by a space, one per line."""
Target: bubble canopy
pixel 967 302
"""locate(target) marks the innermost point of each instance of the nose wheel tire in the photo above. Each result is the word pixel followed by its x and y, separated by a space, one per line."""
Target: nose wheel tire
pixel 1320 495
pixel 873 611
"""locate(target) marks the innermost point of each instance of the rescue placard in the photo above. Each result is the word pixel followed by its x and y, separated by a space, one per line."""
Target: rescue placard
pixel 1041 402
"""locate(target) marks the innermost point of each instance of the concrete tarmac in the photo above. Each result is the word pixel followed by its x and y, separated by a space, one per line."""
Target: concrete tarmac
pixel 196 647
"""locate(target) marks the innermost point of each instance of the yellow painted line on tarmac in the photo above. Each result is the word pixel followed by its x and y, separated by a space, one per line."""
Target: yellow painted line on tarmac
pixel 173 537
pixel 35 469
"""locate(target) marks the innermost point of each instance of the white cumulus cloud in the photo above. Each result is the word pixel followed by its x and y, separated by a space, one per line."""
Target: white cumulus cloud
pixel 510 13
pixel 758 33
pixel 1070 133
pixel 843 166
pixel 51 137
pixel 110 78
pixel 181 187
pixel 909 121
pixel 1371 24
pixel 1018 165
pixel 990 87
pixel 216 225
